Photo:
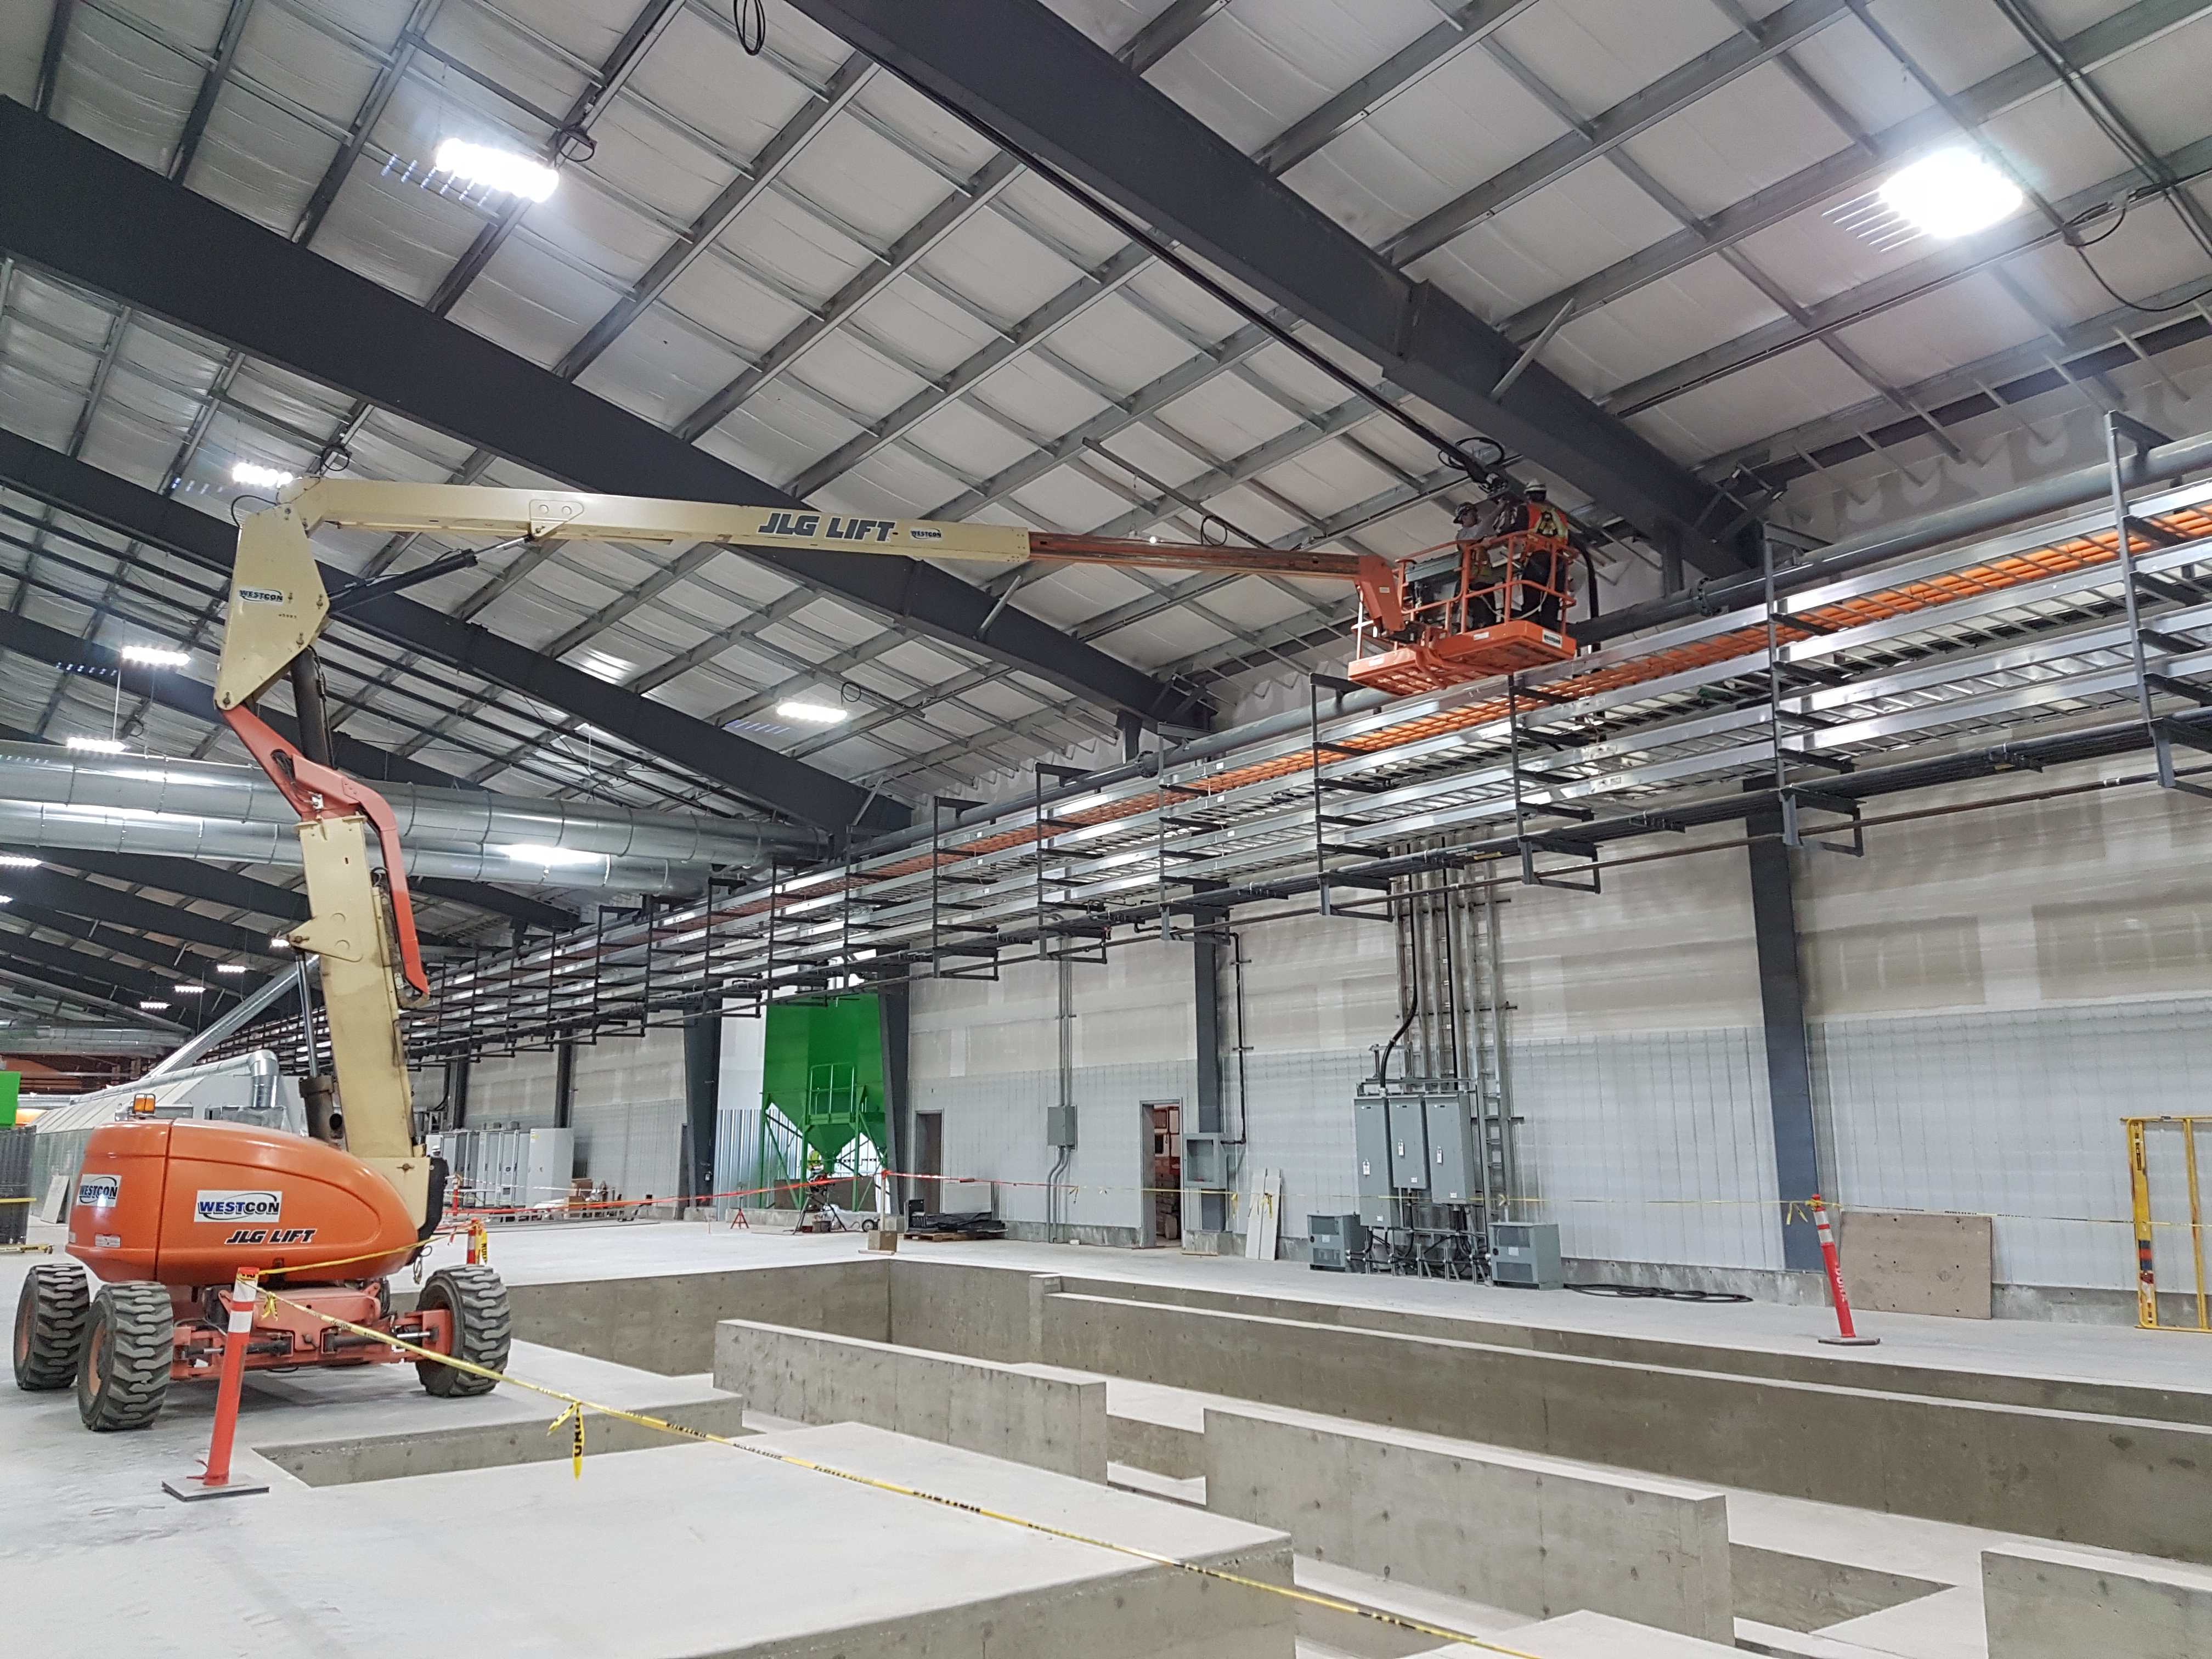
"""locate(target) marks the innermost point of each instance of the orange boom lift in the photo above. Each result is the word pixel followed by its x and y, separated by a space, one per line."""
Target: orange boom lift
pixel 168 1213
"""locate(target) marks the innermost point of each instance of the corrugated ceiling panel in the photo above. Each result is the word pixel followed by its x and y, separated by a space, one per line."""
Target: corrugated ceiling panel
pixel 1587 221
pixel 1756 130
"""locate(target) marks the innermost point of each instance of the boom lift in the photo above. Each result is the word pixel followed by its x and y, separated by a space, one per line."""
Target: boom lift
pixel 166 1213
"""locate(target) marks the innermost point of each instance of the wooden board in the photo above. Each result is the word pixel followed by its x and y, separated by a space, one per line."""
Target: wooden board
pixel 1916 1262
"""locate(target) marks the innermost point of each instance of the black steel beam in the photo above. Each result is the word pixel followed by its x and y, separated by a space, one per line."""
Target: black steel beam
pixel 88 899
pixel 61 649
pixel 516 906
pixel 1782 1024
pixel 760 773
pixel 1036 84
pixel 90 971
pixel 28 980
pixel 188 876
pixel 251 290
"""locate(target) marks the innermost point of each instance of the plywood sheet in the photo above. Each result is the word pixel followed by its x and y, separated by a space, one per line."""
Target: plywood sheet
pixel 1917 1262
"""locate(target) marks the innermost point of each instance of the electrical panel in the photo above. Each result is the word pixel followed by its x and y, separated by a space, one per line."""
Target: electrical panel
pixel 1370 1140
pixel 1526 1253
pixel 1336 1243
pixel 1409 1145
pixel 1451 1150
pixel 1060 1126
pixel 1205 1161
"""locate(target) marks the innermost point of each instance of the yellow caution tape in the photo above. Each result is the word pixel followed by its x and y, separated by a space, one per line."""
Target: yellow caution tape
pixel 577 1406
pixel 575 1413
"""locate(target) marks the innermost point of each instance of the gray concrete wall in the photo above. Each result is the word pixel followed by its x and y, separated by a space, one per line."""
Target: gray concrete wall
pixel 2124 1483
pixel 1815 1365
pixel 665 1322
pixel 1032 1414
pixel 2050 1604
pixel 1534 1535
pixel 956 1307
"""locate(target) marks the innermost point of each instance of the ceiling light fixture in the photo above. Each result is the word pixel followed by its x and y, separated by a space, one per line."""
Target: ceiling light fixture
pixel 814 713
pixel 17 861
pixel 155 657
pixel 259 477
pixel 188 990
pixel 552 858
pixel 153 1007
pixel 499 169
pixel 1953 193
pixel 97 745
pixel 230 968
pixel 278 942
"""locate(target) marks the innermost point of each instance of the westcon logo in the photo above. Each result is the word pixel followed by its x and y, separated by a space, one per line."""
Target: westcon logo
pixel 233 1208
pixel 101 1191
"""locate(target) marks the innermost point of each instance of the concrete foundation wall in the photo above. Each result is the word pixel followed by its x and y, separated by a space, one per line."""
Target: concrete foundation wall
pixel 1028 1415
pixel 2126 1484
pixel 2049 1604
pixel 665 1322
pixel 1535 1534
pixel 953 1307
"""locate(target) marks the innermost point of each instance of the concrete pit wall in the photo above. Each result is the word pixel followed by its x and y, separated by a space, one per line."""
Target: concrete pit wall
pixel 2052 1604
pixel 2123 1483
pixel 1532 1535
pixel 665 1322
pixel 1032 1414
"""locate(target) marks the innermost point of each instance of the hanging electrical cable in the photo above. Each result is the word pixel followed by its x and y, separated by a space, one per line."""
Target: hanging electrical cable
pixel 752 35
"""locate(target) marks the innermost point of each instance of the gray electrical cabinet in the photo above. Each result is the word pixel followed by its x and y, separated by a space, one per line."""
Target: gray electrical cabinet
pixel 1451 1150
pixel 1409 1145
pixel 1370 1140
pixel 1336 1243
pixel 1526 1253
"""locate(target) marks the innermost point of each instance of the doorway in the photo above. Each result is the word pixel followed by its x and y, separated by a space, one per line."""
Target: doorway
pixel 1162 1207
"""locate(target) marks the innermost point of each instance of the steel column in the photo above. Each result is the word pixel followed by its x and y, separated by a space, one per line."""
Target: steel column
pixel 1782 1021
pixel 702 1085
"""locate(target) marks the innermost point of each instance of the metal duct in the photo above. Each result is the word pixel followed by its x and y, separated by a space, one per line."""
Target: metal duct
pixel 202 809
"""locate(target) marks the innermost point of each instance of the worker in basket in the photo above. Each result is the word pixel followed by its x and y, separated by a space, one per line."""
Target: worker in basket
pixel 1518 546
pixel 1544 568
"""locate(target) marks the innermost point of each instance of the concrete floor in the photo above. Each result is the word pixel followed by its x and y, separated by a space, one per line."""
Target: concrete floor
pixel 529 1561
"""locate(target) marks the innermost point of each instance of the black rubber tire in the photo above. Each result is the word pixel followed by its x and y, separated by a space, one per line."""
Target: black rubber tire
pixel 482 1330
pixel 49 1319
pixel 122 1375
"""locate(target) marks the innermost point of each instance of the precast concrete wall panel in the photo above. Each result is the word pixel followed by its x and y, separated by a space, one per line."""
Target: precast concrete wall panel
pixel 2122 1483
pixel 2056 1604
pixel 512 1089
pixel 1539 1535
pixel 628 1112
pixel 1032 1414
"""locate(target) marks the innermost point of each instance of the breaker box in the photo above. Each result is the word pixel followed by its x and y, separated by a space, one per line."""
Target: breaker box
pixel 1409 1144
pixel 1526 1253
pixel 1371 1142
pixel 1450 1130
